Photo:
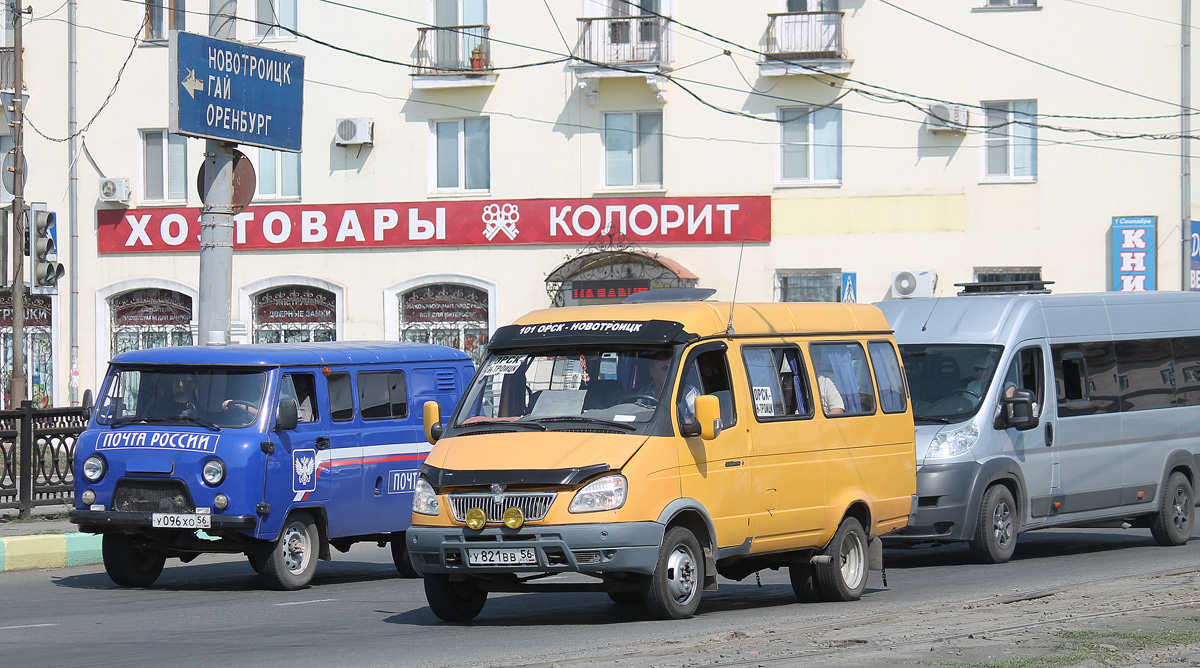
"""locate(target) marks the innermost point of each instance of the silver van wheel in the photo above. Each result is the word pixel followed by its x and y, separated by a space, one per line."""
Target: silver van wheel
pixel 995 527
pixel 290 561
pixel 1176 512
pixel 673 590
pixel 844 576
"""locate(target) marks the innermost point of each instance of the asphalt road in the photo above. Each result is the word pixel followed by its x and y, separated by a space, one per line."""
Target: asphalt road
pixel 358 612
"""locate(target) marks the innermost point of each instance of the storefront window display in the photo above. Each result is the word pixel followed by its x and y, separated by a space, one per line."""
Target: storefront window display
pixel 447 315
pixel 293 314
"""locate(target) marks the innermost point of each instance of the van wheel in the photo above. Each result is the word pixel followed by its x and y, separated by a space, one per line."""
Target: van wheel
pixel 401 557
pixel 290 561
pixel 454 600
pixel 129 564
pixel 804 583
pixel 1176 512
pixel 995 528
pixel 844 577
pixel 673 590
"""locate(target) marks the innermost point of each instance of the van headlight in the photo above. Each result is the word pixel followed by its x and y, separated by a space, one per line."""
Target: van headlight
pixel 425 499
pixel 607 493
pixel 213 472
pixel 953 442
pixel 93 468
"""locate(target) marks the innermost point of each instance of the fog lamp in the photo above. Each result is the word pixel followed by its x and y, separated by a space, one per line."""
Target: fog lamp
pixel 476 519
pixel 220 502
pixel 514 518
pixel 88 497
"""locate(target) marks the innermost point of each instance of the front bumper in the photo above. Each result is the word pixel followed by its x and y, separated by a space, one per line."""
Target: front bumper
pixel 944 501
pixel 99 521
pixel 626 547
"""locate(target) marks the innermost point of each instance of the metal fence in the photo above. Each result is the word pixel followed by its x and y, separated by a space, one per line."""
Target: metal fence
pixel 37 456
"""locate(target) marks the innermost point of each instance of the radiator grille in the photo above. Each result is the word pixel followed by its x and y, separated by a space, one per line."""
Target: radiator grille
pixel 152 496
pixel 534 505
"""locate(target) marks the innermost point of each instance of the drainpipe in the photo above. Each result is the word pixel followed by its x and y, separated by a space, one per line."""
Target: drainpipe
pixel 73 197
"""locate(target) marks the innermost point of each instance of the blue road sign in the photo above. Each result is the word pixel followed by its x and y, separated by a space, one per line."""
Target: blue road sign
pixel 849 287
pixel 235 92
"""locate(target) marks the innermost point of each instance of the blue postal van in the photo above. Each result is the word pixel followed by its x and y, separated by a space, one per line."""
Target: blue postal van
pixel 275 451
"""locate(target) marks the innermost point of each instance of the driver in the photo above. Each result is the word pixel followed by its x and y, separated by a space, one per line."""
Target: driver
pixel 984 367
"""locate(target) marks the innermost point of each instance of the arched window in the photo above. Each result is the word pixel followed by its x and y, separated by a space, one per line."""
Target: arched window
pixel 294 313
pixel 39 359
pixel 446 314
pixel 150 318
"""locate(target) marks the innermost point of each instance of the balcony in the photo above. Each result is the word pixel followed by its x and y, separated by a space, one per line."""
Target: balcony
pixel 453 57
pixel 805 43
pixel 622 46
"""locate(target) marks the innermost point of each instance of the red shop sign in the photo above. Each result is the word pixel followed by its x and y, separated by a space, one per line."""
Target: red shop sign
pixel 649 220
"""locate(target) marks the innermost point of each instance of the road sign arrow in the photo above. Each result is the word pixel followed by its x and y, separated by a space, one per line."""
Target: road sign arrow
pixel 191 84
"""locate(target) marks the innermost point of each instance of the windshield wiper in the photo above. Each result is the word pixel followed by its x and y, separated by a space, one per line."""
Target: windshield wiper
pixel 583 418
pixel 504 423
pixel 200 421
pixel 925 418
pixel 121 422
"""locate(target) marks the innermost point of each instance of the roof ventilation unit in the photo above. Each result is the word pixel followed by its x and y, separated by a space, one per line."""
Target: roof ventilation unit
pixel 908 283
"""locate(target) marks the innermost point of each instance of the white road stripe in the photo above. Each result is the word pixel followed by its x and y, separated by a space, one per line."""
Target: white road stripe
pixel 26 626
pixel 319 600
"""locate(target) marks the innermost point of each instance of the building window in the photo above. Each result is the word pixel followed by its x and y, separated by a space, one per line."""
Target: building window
pixel 446 315
pixel 150 318
pixel 294 313
pixel 39 350
pixel 1011 140
pixel 808 285
pixel 163 16
pixel 272 13
pixel 278 174
pixel 633 149
pixel 810 144
pixel 164 161
pixel 463 154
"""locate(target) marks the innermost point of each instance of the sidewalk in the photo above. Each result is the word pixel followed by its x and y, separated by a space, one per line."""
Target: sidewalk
pixel 46 541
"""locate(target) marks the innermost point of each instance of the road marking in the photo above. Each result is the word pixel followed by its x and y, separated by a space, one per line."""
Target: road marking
pixel 319 600
pixel 26 626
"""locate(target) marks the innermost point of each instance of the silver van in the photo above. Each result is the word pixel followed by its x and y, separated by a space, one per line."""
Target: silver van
pixel 1036 411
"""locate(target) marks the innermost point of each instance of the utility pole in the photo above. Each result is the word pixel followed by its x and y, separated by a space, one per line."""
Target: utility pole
pixel 216 218
pixel 16 383
pixel 1185 152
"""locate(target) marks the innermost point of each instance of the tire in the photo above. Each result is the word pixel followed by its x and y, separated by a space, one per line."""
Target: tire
pixel 995 527
pixel 844 577
pixel 254 557
pixel 673 590
pixel 1176 513
pixel 401 558
pixel 128 563
pixel 290 561
pixel 454 600
pixel 625 597
pixel 803 583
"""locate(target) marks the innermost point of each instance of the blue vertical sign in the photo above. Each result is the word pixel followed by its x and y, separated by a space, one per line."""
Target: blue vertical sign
pixel 849 287
pixel 1133 259
pixel 1194 274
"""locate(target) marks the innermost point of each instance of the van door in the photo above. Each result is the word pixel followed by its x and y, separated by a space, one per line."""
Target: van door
pixel 394 446
pixel 1088 432
pixel 1033 449
pixel 716 472
pixel 341 457
pixel 295 474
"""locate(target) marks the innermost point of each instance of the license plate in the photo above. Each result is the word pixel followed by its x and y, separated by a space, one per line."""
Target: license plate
pixel 506 556
pixel 180 521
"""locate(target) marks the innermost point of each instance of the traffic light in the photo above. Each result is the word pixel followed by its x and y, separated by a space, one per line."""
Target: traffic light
pixel 44 269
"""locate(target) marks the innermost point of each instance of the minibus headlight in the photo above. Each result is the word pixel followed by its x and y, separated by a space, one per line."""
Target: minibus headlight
pixel 213 472
pixel 93 468
pixel 953 442
pixel 425 499
pixel 607 493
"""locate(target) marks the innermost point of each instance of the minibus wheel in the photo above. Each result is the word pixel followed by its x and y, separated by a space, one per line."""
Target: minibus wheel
pixel 290 561
pixel 995 528
pixel 401 557
pixel 128 563
pixel 844 576
pixel 454 600
pixel 1176 513
pixel 803 583
pixel 673 590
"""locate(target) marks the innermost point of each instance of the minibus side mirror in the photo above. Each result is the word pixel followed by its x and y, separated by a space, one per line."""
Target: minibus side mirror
pixel 287 414
pixel 432 413
pixel 1017 411
pixel 708 415
pixel 86 405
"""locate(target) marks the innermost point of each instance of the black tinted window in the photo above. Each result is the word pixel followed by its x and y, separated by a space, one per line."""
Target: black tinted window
pixel 382 395
pixel 1085 377
pixel 1145 374
pixel 341 397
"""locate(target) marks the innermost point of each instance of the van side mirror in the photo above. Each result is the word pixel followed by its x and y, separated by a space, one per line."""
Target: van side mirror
pixel 1017 411
pixel 287 414
pixel 432 414
pixel 708 415
pixel 86 405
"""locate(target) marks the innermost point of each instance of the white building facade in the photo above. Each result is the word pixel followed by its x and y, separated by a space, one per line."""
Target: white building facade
pixel 464 162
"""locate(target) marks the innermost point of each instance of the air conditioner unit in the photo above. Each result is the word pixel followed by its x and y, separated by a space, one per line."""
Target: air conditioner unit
pixel 114 190
pixel 355 131
pixel 947 118
pixel 908 283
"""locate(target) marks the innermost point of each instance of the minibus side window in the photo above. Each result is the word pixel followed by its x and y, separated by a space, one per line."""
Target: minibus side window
pixel 706 373
pixel 341 397
pixel 1086 378
pixel 778 384
pixel 1145 374
pixel 302 388
pixel 1186 353
pixel 843 378
pixel 382 395
pixel 888 377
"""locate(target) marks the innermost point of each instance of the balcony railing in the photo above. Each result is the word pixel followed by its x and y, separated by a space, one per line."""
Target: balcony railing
pixel 453 49
pixel 623 40
pixel 804 36
pixel 8 74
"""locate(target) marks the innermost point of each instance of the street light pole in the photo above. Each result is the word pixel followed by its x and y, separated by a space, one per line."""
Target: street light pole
pixel 16 382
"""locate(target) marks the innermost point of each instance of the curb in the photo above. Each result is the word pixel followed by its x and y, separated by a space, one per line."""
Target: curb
pixel 49 551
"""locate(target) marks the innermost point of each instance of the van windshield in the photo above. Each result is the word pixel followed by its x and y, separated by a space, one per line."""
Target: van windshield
pixel 615 389
pixel 212 398
pixel 948 382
